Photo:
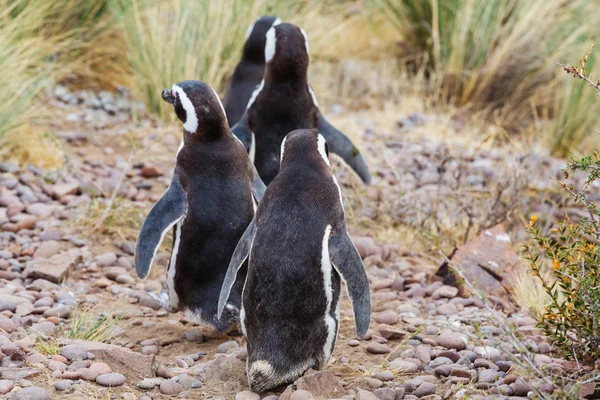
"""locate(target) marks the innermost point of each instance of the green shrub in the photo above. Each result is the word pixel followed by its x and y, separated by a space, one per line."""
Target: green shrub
pixel 572 319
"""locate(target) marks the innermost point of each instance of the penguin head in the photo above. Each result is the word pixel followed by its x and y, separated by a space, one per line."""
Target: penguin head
pixel 254 48
pixel 304 144
pixel 198 106
pixel 286 53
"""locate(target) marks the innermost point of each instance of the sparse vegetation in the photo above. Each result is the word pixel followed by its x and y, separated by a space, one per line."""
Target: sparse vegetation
pixel 92 324
pixel 572 316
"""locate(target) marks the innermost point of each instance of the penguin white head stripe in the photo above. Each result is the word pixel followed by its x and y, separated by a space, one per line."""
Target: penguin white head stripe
pixel 191 121
pixel 321 143
pixel 270 45
pixel 282 149
pixel 219 100
pixel 305 40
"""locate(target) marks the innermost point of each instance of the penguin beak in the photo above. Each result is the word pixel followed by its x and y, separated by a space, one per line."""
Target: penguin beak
pixel 167 96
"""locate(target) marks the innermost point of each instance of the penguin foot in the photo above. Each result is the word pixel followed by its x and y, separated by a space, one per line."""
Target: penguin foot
pixel 162 299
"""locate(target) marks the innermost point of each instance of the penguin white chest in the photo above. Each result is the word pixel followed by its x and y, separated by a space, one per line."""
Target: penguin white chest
pixel 326 268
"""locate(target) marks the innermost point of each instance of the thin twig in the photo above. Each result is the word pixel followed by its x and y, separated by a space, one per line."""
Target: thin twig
pixel 114 193
pixel 576 72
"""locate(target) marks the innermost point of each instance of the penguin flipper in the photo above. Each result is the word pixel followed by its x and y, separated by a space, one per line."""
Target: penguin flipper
pixel 341 145
pixel 161 218
pixel 258 186
pixel 348 264
pixel 242 131
pixel 241 252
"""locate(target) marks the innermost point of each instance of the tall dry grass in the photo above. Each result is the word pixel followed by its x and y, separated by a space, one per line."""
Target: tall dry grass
pixel 499 57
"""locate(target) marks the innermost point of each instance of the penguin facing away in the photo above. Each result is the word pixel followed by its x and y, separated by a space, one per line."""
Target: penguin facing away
pixel 298 252
pixel 249 71
pixel 209 203
pixel 283 102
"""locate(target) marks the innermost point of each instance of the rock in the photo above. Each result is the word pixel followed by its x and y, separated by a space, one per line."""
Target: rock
pixel 371 383
pixel 301 395
pixel 15 374
pixel 319 384
pixel 489 376
pixel 59 311
pixel 106 259
pixel 149 383
pixel 226 346
pixel 194 335
pixel 520 388
pixel 6 386
pixel 452 341
pixel 40 209
pixel 404 366
pixel 489 261
pixel 10 302
pixel 56 365
pixel 424 389
pixel 111 380
pixel 7 325
pixel 100 368
pixel 63 385
pixel 378 348
pixel 364 395
pixel 384 376
pixel 32 393
pixel 152 349
pixel 119 358
pixel 73 352
pixel 387 317
pixel 47 249
pixel 391 333
pixel 386 394
pixel 55 268
pixel 444 291
pixel 247 395
pixel 223 368
pixel 151 171
pixel 447 309
pixel 366 246
pixel 170 387
pixel 187 382
pixel 62 189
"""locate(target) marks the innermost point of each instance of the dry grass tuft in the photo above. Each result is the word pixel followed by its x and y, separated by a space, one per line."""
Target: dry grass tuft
pixel 89 324
pixel 27 144
pixel 530 294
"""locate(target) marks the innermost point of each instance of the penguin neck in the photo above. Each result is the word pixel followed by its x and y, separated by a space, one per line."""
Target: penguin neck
pixel 296 76
pixel 206 132
pixel 253 55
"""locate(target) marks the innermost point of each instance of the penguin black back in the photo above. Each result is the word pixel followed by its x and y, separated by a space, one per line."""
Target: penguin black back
pixel 209 204
pixel 249 71
pixel 299 252
pixel 283 102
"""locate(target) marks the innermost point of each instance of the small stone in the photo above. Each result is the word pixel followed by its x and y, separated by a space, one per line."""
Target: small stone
pixel 371 383
pixel 149 383
pixel 59 311
pixel 32 393
pixel 63 385
pixel 489 376
pixel 100 368
pixel 6 386
pixel 520 387
pixel 424 389
pixel 170 387
pixel 187 382
pixel 194 335
pixel 226 346
pixel 385 394
pixel 404 366
pixel 151 171
pixel 365 395
pixel 452 341
pixel 247 395
pixel 447 309
pixel 73 352
pixel 40 209
pixel 387 317
pixel 353 343
pixel 47 249
pixel 301 395
pixel 378 348
pixel 384 376
pixel 56 365
pixel 152 349
pixel 111 380
pixel 446 291
pixel 106 259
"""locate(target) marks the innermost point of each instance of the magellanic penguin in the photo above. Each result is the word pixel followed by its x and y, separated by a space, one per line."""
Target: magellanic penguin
pixel 209 203
pixel 284 101
pixel 297 248
pixel 249 72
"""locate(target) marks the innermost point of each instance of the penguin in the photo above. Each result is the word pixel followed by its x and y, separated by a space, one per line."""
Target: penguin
pixel 249 71
pixel 284 101
pixel 209 203
pixel 298 252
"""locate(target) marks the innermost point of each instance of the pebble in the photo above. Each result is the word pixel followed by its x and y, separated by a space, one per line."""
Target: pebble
pixel 111 380
pixel 301 395
pixel 387 317
pixel 170 387
pixel 384 376
pixel 226 346
pixel 73 352
pixel 6 386
pixel 32 393
pixel 247 395
pixel 404 366
pixel 451 341
pixel 378 348
pixel 63 385
pixel 424 389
